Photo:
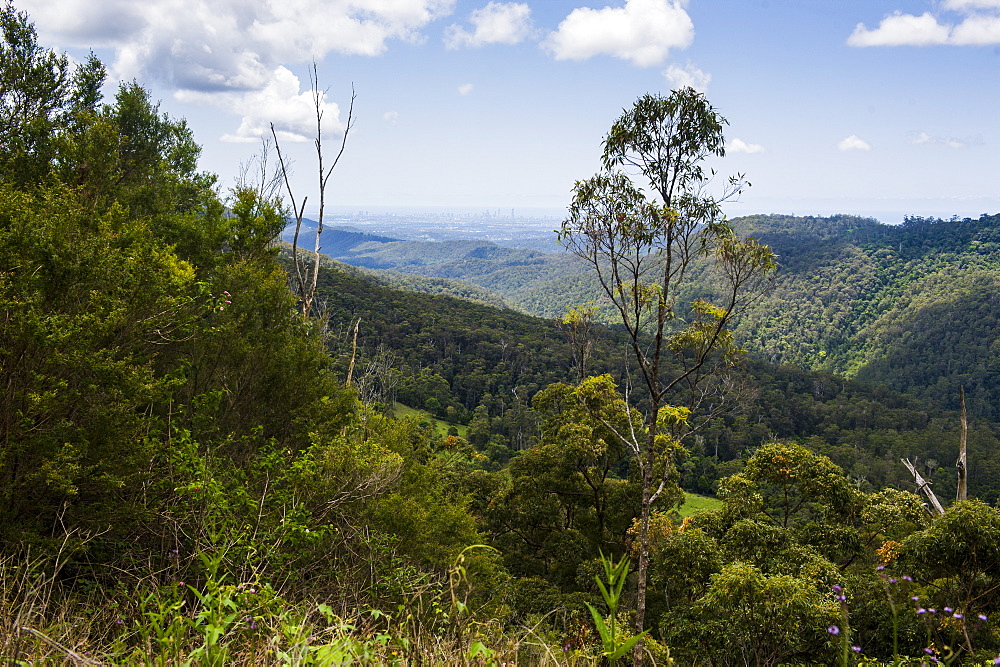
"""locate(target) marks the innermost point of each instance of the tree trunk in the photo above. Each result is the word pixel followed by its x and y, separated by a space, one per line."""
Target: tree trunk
pixel 923 486
pixel 961 464
pixel 643 569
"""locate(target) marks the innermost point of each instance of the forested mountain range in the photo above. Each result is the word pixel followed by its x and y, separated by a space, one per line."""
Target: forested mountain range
pixel 912 306
pixel 480 365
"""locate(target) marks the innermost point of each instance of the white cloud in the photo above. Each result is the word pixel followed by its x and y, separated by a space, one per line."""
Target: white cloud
pixel 924 138
pixel 496 23
pixel 232 53
pixel 280 102
pixel 980 26
pixel 966 5
pixel 854 143
pixel 465 89
pixel 740 146
pixel 642 32
pixel 976 31
pixel 901 29
pixel 688 76
pixel 391 117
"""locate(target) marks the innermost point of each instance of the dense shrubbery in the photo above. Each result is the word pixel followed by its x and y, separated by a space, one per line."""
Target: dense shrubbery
pixel 165 415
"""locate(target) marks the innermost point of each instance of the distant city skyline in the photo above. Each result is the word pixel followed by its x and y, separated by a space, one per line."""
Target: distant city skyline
pixel 880 108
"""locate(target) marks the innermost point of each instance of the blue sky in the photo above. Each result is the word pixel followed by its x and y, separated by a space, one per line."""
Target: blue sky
pixel 873 107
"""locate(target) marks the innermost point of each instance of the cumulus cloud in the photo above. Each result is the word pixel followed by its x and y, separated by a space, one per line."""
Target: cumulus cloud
pixel 496 23
pixel 642 32
pixel 465 89
pixel 924 138
pixel 977 30
pixel 280 102
pixel 391 117
pixel 854 143
pixel 740 146
pixel 979 25
pixel 688 76
pixel 232 53
pixel 901 29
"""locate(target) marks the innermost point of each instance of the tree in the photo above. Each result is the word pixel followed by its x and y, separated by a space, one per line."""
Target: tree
pixel 645 252
pixel 305 277
pixel 578 324
pixel 40 96
pixel 752 618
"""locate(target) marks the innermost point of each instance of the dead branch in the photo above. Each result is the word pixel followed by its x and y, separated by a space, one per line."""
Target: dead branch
pixel 923 486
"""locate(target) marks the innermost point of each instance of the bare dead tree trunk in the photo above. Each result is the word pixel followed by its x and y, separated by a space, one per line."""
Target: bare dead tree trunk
pixel 354 353
pixel 962 463
pixel 305 278
pixel 923 486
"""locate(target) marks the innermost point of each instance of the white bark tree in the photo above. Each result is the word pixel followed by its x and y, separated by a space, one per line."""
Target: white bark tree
pixel 305 276
pixel 644 249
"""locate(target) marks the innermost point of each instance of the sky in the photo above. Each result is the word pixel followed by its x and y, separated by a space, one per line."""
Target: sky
pixel 881 108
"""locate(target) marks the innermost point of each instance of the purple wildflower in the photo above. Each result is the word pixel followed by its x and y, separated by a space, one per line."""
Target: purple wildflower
pixel 833 630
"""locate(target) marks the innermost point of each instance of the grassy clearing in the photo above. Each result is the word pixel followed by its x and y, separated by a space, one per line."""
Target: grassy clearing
pixel 440 426
pixel 695 503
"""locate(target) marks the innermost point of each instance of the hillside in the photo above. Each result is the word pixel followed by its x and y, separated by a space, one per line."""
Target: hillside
pixel 514 275
pixel 911 306
pixel 481 365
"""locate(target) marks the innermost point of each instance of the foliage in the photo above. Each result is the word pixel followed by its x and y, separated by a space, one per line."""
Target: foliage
pixel 161 399
pixel 568 498
pixel 615 575
pixel 908 305
pixel 911 306
pixel 643 250
pixel 756 619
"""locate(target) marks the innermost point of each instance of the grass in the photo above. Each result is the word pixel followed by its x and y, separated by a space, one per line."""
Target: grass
pixel 440 426
pixel 217 623
pixel 695 503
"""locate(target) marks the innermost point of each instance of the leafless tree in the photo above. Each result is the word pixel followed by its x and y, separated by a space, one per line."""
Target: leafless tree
pixel 305 276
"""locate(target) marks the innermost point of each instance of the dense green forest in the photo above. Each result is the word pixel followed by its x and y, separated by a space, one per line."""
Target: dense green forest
pixel 911 306
pixel 193 472
pixel 481 366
